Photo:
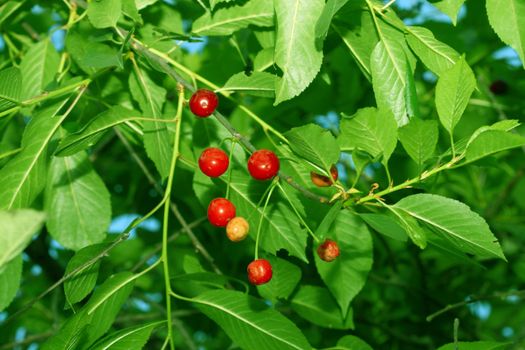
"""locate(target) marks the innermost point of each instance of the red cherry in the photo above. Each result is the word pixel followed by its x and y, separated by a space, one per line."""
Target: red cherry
pixel 213 162
pixel 328 251
pixel 263 164
pixel 220 211
pixel 323 181
pixel 203 103
pixel 499 87
pixel 259 271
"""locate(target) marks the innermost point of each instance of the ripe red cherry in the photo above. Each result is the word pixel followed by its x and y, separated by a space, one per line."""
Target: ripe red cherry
pixel 259 271
pixel 263 164
pixel 203 103
pixel 328 251
pixel 220 211
pixel 323 181
pixel 499 87
pixel 237 229
pixel 213 162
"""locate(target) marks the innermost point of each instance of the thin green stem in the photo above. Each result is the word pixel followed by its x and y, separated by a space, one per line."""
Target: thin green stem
pixel 299 216
pixel 165 222
pixel 259 227
pixel 410 182
pixel 452 146
pixel 10 153
pixel 231 169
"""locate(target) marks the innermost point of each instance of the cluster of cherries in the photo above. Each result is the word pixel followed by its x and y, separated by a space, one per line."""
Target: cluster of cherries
pixel 262 165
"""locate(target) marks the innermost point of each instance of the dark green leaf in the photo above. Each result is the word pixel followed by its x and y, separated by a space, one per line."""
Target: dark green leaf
pixel 317 305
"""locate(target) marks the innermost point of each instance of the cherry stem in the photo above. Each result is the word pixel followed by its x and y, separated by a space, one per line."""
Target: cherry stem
pixel 271 188
pixel 231 169
pixel 299 216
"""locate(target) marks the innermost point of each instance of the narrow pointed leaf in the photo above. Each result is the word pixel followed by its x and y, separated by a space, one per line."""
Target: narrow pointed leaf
pixel 454 222
pixel 492 141
pixel 10 276
pixel 296 43
pixel 10 88
pixel 132 338
pixel 226 21
pixel 453 92
pixel 38 67
pixel 23 177
pixel 17 227
pixel 257 84
pixel 450 8
pixel 157 140
pixel 434 54
pixel 507 20
pixel 249 322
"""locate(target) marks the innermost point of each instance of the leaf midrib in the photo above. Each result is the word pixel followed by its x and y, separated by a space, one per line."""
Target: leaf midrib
pixel 232 20
pixel 253 325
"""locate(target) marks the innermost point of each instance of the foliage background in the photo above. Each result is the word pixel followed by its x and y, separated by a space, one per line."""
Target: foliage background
pixel 405 285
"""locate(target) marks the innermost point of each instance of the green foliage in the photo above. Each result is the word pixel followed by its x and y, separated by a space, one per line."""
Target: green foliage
pixel 104 242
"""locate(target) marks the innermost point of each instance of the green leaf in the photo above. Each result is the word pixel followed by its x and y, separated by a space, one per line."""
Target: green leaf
pixel 17 227
pixel 7 9
pixel 82 283
pixel 84 328
pixel 453 91
pixel 132 338
pixel 346 275
pixel 104 13
pixel 330 9
pixel 388 65
pixel 437 56
pixel 476 345
pixel 350 342
pixel 419 139
pixel 94 130
pixel 23 177
pixel 129 8
pixel 453 221
pixel 10 88
pixel 285 278
pixel 249 322
pixel 264 60
pixel 385 225
pixel 38 67
pixel 371 130
pixel 316 305
pixel 110 289
pixel 359 35
pixel 324 227
pixel 257 84
pixel 77 202
pixel 225 21
pixel 490 142
pixel 213 3
pixel 89 54
pixel 449 8
pixel 506 18
pixel 412 228
pixel 10 276
pixel 315 144
pixel 157 139
pixel 295 49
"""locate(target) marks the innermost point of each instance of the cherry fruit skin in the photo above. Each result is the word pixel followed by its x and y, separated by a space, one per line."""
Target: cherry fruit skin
pixel 220 211
pixel 499 87
pixel 259 272
pixel 203 103
pixel 237 229
pixel 323 181
pixel 263 164
pixel 213 162
pixel 328 250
